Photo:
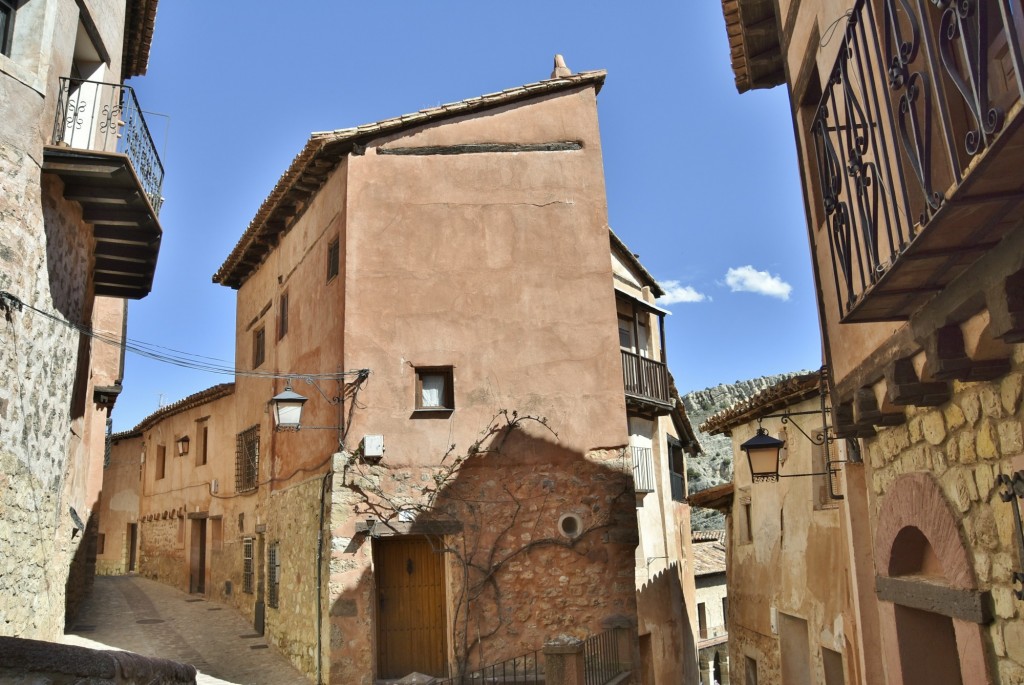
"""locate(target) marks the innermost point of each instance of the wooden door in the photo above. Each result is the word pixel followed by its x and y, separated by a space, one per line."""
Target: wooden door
pixel 197 575
pixel 411 623
pixel 133 541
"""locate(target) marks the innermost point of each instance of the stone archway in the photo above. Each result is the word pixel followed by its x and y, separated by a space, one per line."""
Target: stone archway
pixel 929 599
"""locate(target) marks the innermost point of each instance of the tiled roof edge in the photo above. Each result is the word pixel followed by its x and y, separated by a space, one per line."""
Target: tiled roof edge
pixel 333 145
pixel 194 400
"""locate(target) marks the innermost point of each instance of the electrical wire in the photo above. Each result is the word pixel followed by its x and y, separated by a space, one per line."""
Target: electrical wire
pixel 189 360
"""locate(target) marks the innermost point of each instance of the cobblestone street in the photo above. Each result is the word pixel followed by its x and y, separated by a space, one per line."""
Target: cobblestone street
pixel 149 618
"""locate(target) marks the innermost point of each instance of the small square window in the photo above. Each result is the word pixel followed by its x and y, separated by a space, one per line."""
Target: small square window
pixel 333 259
pixel 434 388
pixel 259 347
pixel 282 318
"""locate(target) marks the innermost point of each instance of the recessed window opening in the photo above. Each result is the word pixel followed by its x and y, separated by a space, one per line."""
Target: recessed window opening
pixel 7 10
pixel 259 347
pixel 333 259
pixel 434 388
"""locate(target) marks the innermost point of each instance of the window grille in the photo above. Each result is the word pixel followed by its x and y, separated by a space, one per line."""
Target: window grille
pixel 108 433
pixel 274 573
pixel 247 458
pixel 247 569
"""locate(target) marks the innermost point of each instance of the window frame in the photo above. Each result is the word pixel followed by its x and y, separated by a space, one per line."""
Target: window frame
pixel 448 399
pixel 160 467
pixel 247 466
pixel 333 258
pixel 248 570
pixel 677 479
pixel 203 438
pixel 259 347
pixel 8 8
pixel 282 315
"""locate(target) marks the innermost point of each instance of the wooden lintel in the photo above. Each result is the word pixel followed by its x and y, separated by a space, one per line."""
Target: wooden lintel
pixel 926 595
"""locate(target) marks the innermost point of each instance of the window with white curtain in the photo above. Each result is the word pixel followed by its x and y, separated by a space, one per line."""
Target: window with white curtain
pixel 434 389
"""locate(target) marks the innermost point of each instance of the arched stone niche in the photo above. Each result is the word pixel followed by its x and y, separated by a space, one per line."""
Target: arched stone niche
pixel 931 611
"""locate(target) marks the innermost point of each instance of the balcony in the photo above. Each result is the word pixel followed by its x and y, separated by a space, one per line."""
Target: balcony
pixel 103 151
pixel 646 383
pixel 643 469
pixel 918 142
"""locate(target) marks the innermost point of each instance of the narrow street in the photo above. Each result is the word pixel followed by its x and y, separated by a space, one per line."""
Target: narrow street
pixel 143 616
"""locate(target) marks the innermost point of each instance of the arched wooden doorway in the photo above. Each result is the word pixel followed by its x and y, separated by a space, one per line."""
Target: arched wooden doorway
pixel 931 611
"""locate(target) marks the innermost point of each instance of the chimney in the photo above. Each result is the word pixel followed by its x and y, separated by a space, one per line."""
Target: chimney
pixel 560 70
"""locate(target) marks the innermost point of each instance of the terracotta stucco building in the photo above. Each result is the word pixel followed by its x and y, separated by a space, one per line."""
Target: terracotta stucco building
pixel 660 440
pixel 79 234
pixel 791 615
pixel 908 128
pixel 443 290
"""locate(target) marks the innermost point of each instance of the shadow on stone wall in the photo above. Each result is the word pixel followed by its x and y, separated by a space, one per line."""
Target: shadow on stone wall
pixel 516 574
pixel 661 606
pixel 82 570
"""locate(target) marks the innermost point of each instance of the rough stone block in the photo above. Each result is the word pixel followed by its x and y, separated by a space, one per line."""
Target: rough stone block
pixel 933 426
pixel 984 476
pixel 958 489
pixel 968 453
pixel 1010 672
pixel 971 406
pixel 1010 392
pixel 983 566
pixel 984 529
pixel 1003 515
pixel 991 402
pixel 1010 439
pixel 986 441
pixel 1006 607
pixel 914 427
pixel 954 416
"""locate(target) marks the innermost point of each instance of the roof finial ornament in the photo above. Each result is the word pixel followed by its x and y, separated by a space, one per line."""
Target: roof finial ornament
pixel 560 70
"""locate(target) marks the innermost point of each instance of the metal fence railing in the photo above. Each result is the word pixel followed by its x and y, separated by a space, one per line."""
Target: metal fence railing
pixel 92 115
pixel 601 657
pixel 526 669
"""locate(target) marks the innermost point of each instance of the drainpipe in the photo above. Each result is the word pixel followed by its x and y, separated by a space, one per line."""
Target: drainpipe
pixel 324 489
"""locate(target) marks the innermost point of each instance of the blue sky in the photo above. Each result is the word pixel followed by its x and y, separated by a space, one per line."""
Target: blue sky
pixel 702 182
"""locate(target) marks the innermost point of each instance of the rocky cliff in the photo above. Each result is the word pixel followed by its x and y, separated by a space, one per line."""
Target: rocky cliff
pixel 714 465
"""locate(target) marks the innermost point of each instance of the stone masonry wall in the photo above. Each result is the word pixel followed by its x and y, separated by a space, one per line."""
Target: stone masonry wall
pixel 525 582
pixel 293 519
pixel 966 443
pixel 44 260
pixel 162 552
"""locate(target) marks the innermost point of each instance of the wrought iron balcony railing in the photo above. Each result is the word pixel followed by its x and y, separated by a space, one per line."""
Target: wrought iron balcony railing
pixel 643 469
pixel 106 117
pixel 645 378
pixel 921 93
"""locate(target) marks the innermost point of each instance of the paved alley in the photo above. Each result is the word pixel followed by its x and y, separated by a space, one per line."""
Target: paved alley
pixel 144 616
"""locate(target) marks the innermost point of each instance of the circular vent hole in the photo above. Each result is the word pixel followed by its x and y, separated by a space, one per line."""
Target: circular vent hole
pixel 570 525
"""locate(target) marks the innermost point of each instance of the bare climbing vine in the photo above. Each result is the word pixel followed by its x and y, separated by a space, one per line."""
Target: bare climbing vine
pixel 487 546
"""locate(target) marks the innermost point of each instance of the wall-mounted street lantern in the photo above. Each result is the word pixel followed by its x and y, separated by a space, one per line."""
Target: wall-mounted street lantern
pixel 183 445
pixel 763 450
pixel 288 408
pixel 763 455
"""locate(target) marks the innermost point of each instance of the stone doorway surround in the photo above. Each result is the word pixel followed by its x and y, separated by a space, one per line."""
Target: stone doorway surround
pixel 922 564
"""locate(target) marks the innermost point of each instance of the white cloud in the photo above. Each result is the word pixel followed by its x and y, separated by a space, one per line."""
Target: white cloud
pixel 748 279
pixel 675 293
